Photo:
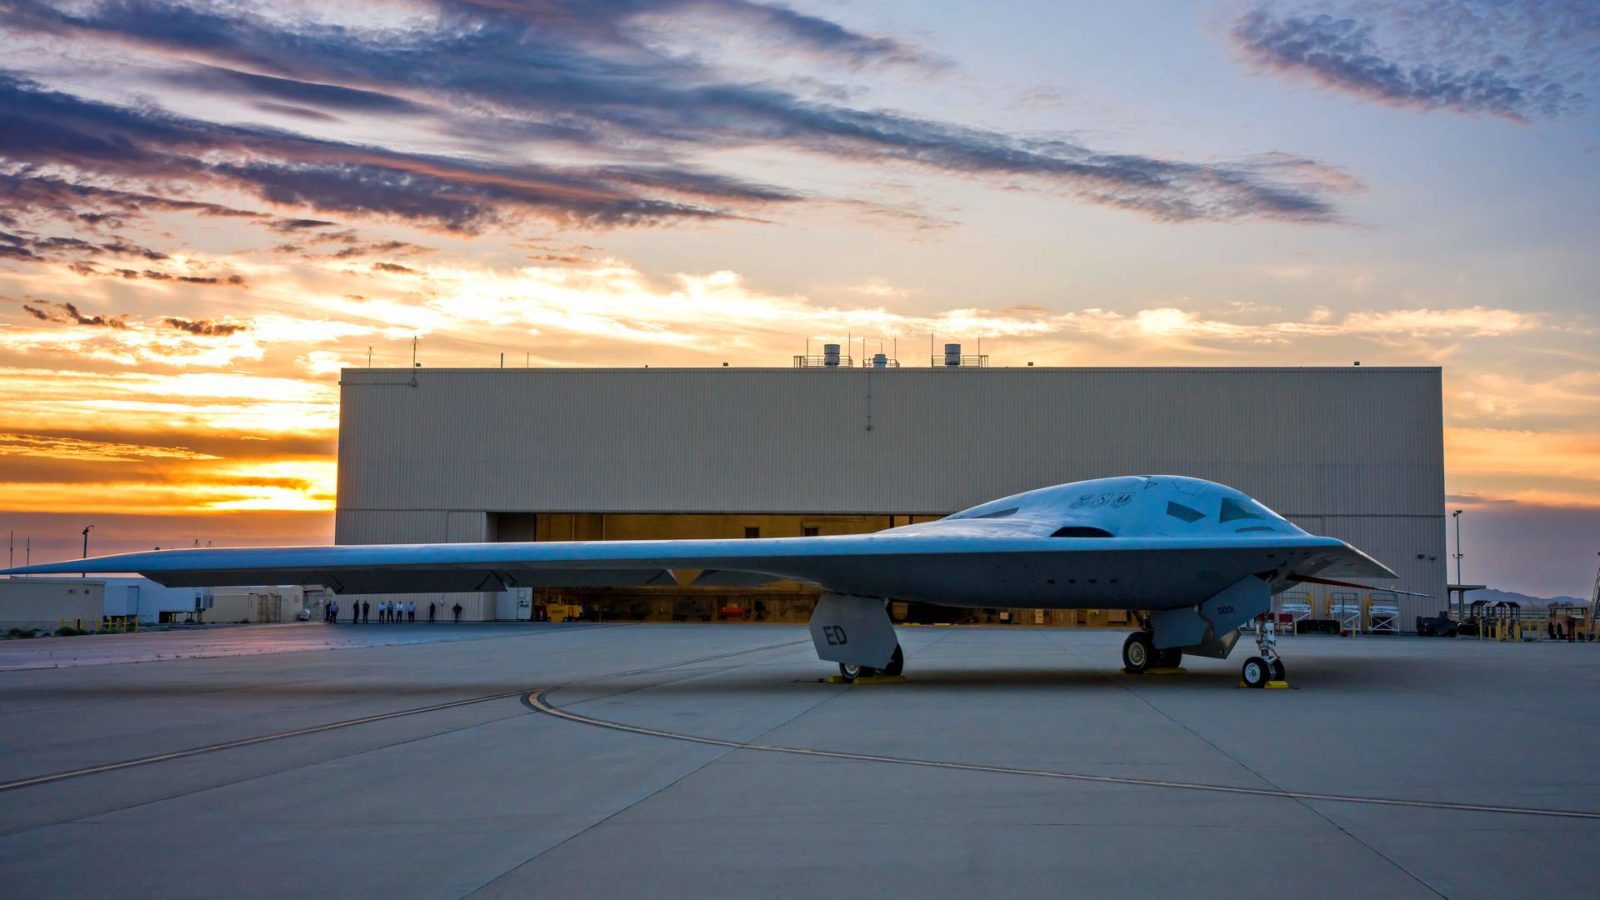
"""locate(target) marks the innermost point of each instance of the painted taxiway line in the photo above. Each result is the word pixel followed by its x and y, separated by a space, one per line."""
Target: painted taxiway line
pixel 349 723
pixel 536 701
pixel 245 742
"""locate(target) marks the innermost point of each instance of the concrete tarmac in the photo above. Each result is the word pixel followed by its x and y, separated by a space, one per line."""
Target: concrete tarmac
pixel 1013 762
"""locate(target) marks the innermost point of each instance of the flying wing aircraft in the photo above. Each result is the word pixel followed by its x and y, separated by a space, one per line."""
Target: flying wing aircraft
pixel 1192 559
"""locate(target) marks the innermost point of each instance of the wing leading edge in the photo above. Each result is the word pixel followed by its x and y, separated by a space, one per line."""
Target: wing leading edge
pixel 955 569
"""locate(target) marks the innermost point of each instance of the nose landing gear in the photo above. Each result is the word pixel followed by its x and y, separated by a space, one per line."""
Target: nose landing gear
pixel 1267 667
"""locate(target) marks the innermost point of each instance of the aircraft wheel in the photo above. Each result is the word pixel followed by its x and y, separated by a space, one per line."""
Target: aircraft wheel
pixel 1169 658
pixel 1256 673
pixel 853 671
pixel 1138 653
pixel 1277 670
pixel 897 663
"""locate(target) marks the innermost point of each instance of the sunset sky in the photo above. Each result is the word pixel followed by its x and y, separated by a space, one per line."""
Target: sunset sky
pixel 206 210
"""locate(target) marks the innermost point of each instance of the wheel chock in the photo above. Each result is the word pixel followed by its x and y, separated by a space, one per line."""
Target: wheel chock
pixel 1277 685
pixel 867 679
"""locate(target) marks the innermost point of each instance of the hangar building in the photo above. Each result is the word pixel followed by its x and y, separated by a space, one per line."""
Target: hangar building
pixel 440 455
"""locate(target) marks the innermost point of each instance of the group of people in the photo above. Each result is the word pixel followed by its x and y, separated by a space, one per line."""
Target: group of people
pixel 388 611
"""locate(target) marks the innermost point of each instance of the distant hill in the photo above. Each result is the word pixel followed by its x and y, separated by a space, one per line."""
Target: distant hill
pixel 1494 595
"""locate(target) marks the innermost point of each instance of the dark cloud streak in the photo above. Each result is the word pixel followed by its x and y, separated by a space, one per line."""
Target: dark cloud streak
pixel 584 74
pixel 1344 53
pixel 48 311
pixel 31 245
pixel 52 128
pixel 206 327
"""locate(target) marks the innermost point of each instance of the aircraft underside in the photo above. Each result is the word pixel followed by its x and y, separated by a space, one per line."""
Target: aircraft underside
pixel 856 633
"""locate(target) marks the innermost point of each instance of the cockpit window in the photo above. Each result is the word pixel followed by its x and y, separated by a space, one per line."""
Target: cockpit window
pixel 1233 509
pixel 1081 531
pixel 1179 511
pixel 992 514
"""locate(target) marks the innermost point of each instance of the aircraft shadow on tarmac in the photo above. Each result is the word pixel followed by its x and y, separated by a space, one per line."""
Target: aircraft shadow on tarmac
pixel 1343 676
pixel 1325 674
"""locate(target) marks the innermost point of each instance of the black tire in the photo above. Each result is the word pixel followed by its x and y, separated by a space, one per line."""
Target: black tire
pixel 1255 673
pixel 1277 670
pixel 1170 658
pixel 897 662
pixel 851 671
pixel 1138 653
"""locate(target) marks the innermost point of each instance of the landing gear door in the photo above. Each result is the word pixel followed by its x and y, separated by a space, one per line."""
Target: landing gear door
pixel 1239 603
pixel 856 630
pixel 1212 628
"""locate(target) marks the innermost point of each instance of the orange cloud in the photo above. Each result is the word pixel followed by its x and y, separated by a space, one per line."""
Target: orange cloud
pixel 198 487
pixel 1546 468
pixel 56 447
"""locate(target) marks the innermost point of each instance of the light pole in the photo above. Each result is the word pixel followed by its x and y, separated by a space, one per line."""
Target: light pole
pixel 1461 595
pixel 1457 516
pixel 86 530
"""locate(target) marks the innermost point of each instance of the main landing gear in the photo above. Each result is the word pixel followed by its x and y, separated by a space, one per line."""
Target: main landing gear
pixel 1139 653
pixel 1268 666
pixel 896 666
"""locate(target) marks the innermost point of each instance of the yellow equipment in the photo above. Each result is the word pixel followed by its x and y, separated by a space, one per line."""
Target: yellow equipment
pixel 561 612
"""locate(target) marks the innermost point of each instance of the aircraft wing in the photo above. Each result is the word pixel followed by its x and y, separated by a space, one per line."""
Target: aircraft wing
pixel 955 566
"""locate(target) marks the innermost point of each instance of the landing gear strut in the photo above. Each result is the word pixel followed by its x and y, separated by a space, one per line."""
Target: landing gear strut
pixel 1268 666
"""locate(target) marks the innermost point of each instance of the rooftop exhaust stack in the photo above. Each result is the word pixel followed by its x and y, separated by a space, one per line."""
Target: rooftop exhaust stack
pixel 952 354
pixel 880 361
pixel 830 355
